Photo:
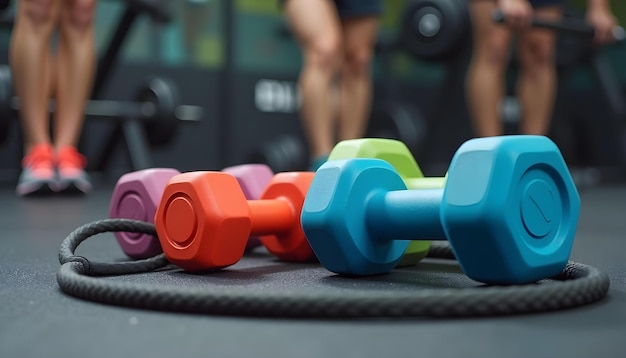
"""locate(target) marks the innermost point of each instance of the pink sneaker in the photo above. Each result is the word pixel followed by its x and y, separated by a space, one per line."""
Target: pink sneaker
pixel 72 176
pixel 37 177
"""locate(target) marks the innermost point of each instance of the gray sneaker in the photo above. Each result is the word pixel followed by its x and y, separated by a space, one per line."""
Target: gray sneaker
pixel 72 177
pixel 37 177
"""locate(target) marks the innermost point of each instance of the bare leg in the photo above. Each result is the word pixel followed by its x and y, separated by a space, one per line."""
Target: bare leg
pixel 75 67
pixel 536 85
pixel 356 80
pixel 486 73
pixel 30 60
pixel 316 25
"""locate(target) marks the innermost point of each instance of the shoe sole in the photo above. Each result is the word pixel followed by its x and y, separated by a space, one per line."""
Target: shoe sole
pixel 36 189
pixel 74 187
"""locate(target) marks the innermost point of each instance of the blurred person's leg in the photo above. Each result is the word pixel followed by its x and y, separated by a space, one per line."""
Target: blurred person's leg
pixel 75 65
pixel 485 84
pixel 31 66
pixel 316 26
pixel 536 83
pixel 360 26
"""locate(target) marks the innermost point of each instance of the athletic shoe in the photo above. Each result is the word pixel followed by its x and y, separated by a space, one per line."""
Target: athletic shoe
pixel 37 177
pixel 72 176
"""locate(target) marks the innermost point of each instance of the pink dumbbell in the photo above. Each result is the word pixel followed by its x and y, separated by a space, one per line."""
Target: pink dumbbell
pixel 137 195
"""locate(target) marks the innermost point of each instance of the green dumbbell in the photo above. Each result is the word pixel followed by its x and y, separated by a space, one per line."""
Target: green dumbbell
pixel 399 156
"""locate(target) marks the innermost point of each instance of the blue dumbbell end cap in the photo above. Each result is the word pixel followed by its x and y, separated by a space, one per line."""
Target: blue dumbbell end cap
pixel 334 217
pixel 510 209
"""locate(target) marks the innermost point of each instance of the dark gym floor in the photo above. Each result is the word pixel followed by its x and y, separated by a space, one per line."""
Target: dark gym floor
pixel 38 320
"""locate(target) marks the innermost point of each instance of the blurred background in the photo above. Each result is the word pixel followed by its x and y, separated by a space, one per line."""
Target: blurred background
pixel 237 61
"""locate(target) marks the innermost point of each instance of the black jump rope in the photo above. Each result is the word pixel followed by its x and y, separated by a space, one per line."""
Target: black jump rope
pixel 577 285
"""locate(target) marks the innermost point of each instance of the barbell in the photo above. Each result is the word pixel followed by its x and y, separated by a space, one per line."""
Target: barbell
pixel 156 104
pixel 566 25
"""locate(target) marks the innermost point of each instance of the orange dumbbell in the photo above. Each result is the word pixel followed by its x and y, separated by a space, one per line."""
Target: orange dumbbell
pixel 204 220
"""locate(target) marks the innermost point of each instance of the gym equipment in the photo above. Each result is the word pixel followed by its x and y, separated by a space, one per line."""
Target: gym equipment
pixel 283 154
pixel 203 220
pixel 391 119
pixel 137 194
pixel 156 105
pixel 6 91
pixel 576 45
pixel 435 30
pixel 577 285
pixel 577 27
pixel 509 210
pixel 399 156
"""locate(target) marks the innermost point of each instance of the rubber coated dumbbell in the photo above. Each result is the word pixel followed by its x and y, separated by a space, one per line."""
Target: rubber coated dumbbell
pixel 509 210
pixel 203 220
pixel 399 156
pixel 137 194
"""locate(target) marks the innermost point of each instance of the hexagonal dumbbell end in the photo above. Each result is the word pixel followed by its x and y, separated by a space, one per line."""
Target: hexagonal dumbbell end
pixel 203 220
pixel 399 156
pixel 335 217
pixel 510 209
pixel 136 196
pixel 392 151
pixel 252 178
pixel 290 244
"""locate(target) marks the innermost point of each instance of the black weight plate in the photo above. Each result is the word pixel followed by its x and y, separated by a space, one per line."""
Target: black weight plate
pixel 6 93
pixel 284 153
pixel 161 123
pixel 395 120
pixel 435 30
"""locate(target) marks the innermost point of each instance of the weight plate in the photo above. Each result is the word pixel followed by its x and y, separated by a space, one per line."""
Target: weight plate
pixel 285 153
pixel 161 98
pixel 394 120
pixel 435 30
pixel 7 115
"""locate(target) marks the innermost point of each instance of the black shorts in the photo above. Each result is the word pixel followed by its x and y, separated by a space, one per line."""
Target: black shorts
pixel 542 3
pixel 355 8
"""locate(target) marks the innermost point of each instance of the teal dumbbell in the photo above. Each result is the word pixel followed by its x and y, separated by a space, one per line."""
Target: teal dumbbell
pixel 399 156
pixel 509 210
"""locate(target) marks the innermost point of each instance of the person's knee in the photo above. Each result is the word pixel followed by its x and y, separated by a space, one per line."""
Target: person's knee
pixel 537 54
pixel 495 53
pixel 357 62
pixel 325 54
pixel 39 13
pixel 79 14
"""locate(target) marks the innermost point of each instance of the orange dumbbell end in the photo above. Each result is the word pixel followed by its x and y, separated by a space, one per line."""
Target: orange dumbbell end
pixel 203 221
pixel 286 193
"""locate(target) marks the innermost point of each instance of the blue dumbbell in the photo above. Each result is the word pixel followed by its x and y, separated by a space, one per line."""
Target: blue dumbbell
pixel 509 210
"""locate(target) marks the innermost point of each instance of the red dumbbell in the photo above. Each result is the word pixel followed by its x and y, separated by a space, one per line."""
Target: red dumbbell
pixel 137 195
pixel 204 219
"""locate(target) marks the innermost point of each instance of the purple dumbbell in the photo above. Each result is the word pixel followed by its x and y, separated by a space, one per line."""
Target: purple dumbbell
pixel 252 178
pixel 137 195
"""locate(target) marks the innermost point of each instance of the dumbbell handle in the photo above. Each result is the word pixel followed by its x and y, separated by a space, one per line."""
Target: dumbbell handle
pixel 571 26
pixel 406 215
pixel 128 109
pixel 272 216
